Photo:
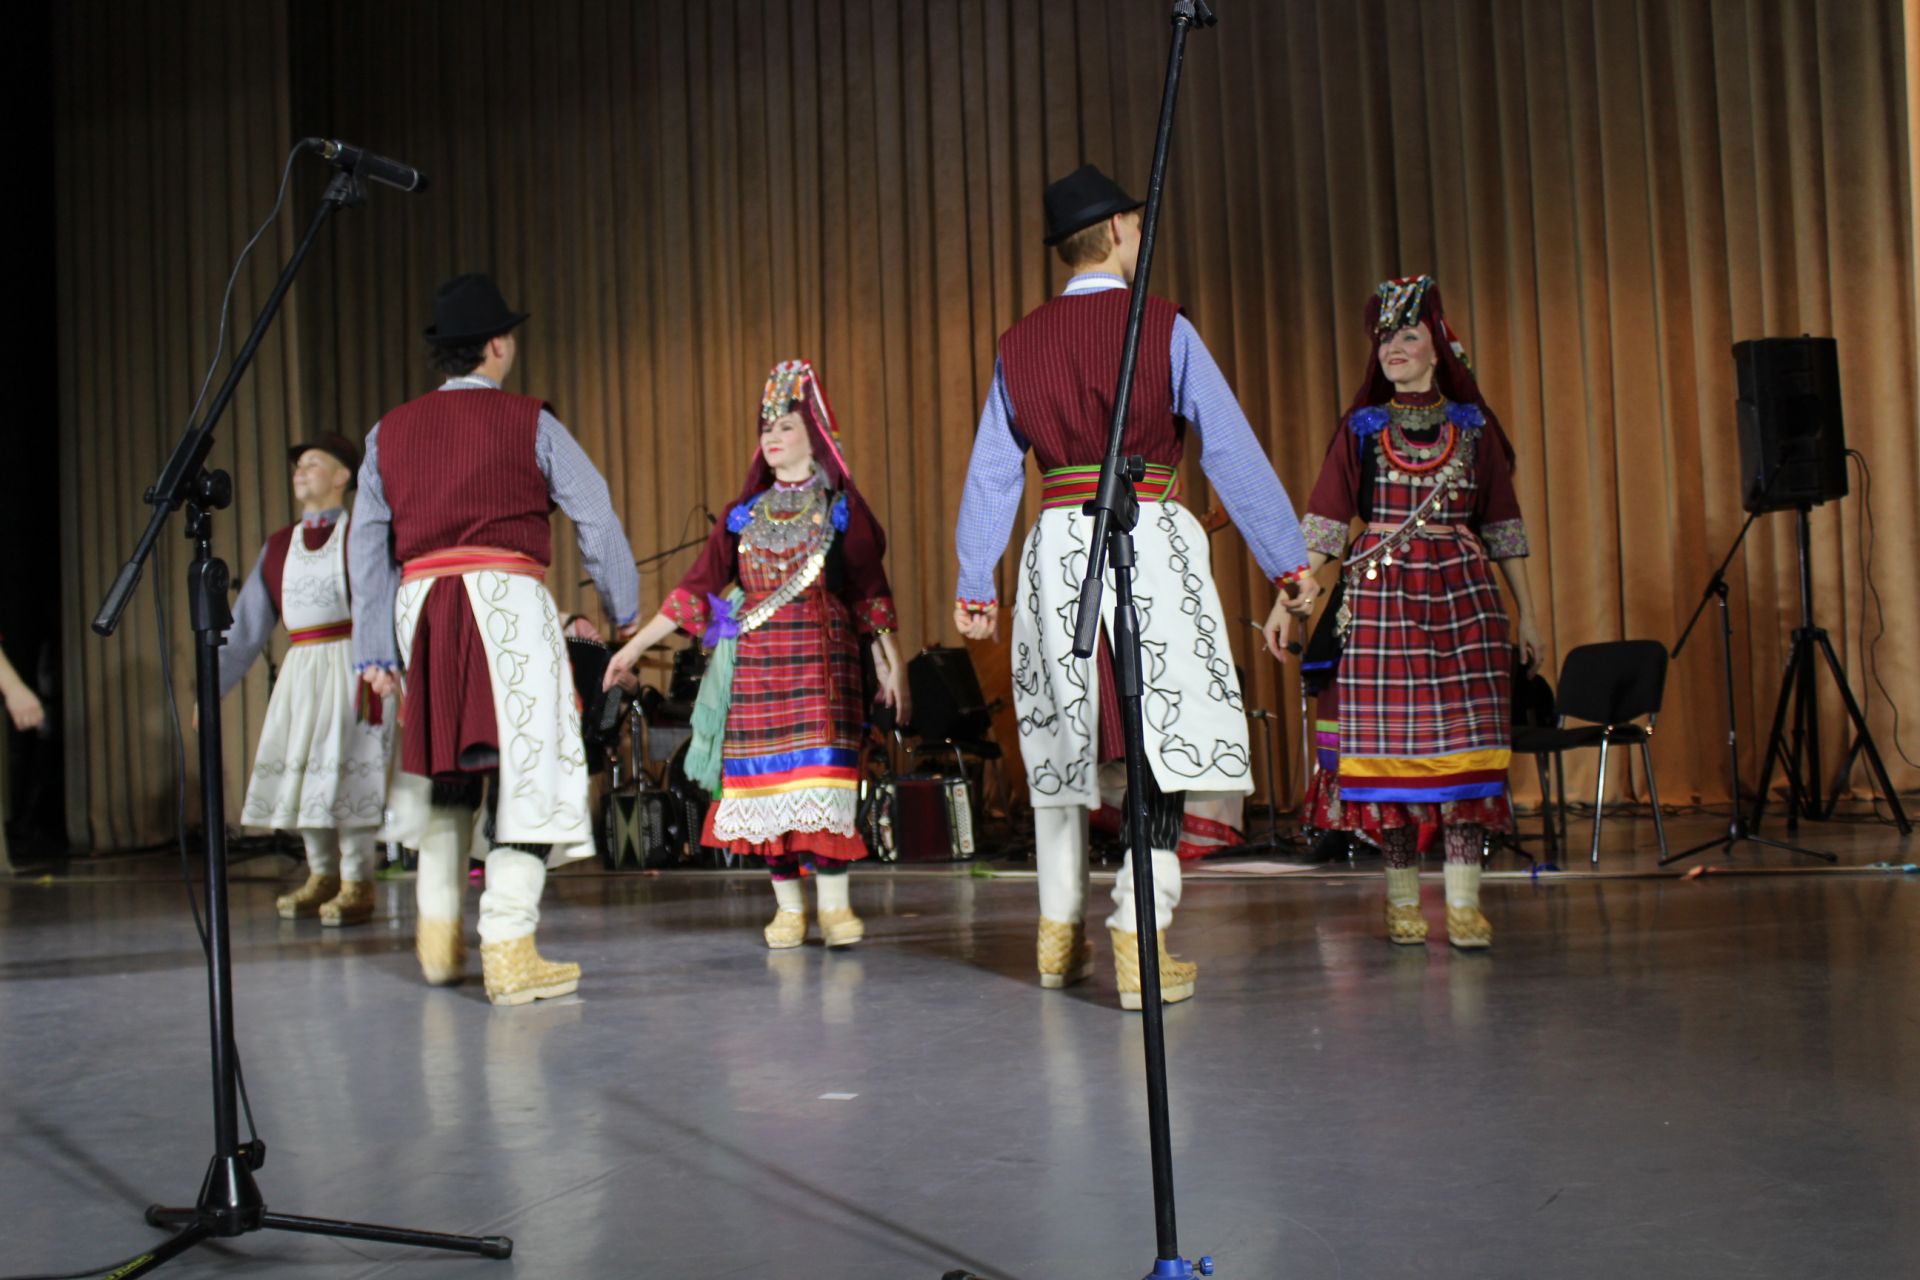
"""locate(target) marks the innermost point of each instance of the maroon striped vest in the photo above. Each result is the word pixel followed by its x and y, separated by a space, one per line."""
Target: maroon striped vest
pixel 1060 362
pixel 459 470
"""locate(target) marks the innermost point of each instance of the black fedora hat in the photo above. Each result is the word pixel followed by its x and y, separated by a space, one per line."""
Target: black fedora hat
pixel 469 308
pixel 1082 198
pixel 331 442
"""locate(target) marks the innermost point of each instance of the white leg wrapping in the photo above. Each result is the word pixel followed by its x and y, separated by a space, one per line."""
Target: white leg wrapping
pixel 510 907
pixel 832 891
pixel 1166 892
pixel 1463 884
pixel 1060 862
pixel 323 850
pixel 442 880
pixel 791 895
pixel 359 854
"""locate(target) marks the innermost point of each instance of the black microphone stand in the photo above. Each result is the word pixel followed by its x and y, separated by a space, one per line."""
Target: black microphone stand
pixel 230 1203
pixel 1115 510
pixel 1737 830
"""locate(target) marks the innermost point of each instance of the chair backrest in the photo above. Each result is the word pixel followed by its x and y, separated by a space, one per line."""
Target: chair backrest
pixel 1615 682
pixel 947 699
pixel 1533 704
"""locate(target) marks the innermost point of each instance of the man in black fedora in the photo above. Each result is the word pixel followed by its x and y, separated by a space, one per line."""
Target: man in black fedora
pixel 320 766
pixel 450 550
pixel 1052 394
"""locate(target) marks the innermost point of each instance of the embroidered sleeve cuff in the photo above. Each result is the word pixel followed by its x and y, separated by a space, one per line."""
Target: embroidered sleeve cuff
pixel 1505 539
pixel 377 664
pixel 688 611
pixel 876 617
pixel 977 606
pixel 1295 575
pixel 1325 535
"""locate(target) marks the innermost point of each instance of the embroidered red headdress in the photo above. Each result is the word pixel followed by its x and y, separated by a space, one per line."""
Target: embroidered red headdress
pixel 1409 300
pixel 794 386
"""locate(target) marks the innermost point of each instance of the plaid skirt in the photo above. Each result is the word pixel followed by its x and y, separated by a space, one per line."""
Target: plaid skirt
pixel 1424 727
pixel 790 764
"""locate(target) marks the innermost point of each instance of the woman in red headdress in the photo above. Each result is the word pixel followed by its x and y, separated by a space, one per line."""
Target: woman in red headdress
pixel 783 587
pixel 1420 461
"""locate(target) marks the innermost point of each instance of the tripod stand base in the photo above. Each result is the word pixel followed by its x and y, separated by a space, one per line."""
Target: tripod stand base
pixel 1740 835
pixel 217 1220
pixel 1179 1269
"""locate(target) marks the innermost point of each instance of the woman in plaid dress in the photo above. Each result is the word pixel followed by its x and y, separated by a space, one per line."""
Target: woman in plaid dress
pixel 1424 731
pixel 806 554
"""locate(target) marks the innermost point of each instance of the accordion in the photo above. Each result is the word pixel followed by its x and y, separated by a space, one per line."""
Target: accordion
pixel 920 817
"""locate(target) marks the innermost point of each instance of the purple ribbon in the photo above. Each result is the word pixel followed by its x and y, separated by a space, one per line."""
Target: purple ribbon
pixel 721 625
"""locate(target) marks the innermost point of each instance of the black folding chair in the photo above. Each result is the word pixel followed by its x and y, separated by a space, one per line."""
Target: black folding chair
pixel 1610 687
pixel 1534 709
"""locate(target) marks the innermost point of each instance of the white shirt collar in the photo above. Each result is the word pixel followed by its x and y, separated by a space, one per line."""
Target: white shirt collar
pixel 468 381
pixel 1093 282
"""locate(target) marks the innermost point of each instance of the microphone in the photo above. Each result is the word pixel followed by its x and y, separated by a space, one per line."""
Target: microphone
pixel 367 164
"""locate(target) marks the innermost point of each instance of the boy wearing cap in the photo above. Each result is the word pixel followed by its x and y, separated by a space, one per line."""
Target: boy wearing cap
pixel 321 764
pixel 1052 394
pixel 449 559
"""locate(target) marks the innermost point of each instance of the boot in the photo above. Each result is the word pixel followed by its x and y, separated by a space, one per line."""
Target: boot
pixel 1177 977
pixel 442 950
pixel 306 900
pixel 352 905
pixel 1063 953
pixel 515 973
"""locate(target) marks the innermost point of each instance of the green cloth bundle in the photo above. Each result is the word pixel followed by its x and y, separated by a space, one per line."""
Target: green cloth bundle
pixel 711 707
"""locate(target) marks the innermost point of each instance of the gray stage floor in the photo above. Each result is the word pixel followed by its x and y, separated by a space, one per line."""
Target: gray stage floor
pixel 1646 1078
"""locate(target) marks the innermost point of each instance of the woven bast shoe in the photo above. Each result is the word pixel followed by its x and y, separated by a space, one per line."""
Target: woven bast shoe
pixel 839 927
pixel 307 899
pixel 1468 929
pixel 1406 926
pixel 787 929
pixel 516 974
pixel 1177 977
pixel 442 952
pixel 1063 953
pixel 352 905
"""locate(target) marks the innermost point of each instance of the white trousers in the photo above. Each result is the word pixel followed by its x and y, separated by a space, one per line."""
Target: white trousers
pixel 510 906
pixel 1060 856
pixel 348 852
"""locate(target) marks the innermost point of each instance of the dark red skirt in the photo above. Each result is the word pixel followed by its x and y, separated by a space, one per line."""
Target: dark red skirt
pixel 448 712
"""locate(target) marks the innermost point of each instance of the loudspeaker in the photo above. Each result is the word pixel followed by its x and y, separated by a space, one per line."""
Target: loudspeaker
pixel 1793 439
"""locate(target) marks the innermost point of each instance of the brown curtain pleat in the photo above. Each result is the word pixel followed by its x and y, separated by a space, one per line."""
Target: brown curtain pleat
pixel 1612 192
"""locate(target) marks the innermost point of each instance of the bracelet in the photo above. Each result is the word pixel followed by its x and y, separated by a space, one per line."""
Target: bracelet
pixel 977 608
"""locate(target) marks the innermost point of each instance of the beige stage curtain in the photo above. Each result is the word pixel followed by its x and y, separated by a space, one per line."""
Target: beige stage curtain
pixel 1611 191
pixel 172 125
